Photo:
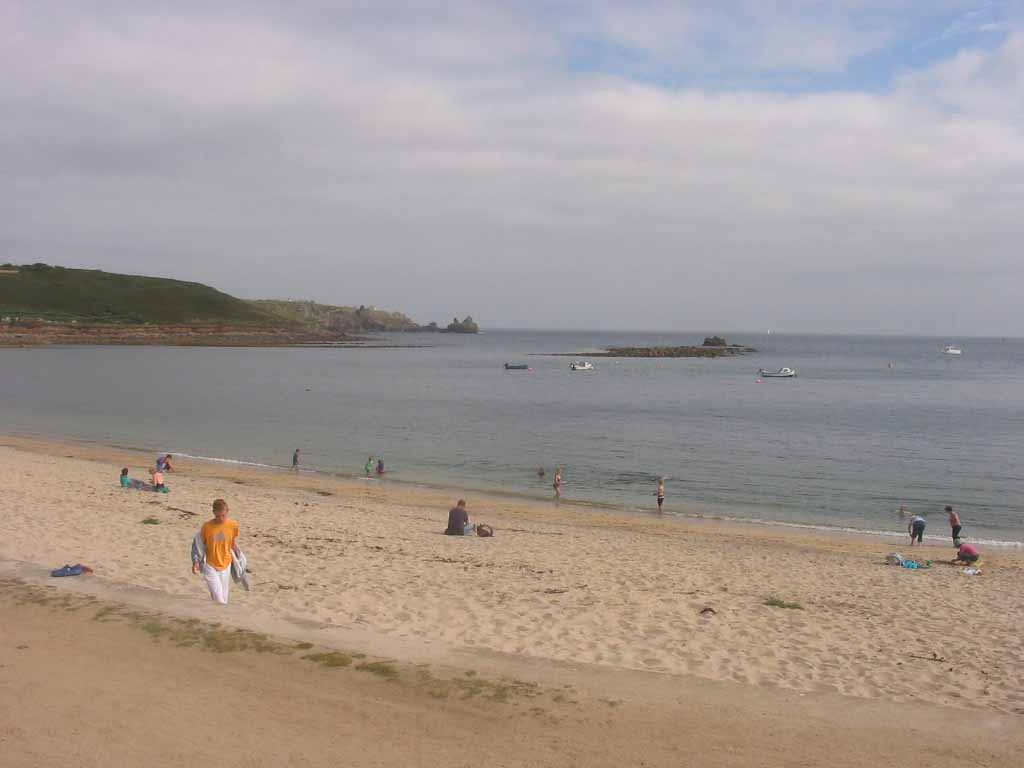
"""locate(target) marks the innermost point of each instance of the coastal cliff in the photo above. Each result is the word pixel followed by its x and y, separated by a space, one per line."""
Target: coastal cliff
pixel 42 304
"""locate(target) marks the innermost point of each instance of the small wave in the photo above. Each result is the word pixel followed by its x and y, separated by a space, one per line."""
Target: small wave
pixel 864 531
pixel 220 460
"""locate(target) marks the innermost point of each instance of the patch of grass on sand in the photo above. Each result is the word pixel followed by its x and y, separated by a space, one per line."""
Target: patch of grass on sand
pixel 150 521
pixel 385 669
pixel 471 686
pixel 231 641
pixel 330 659
pixel 775 602
pixel 108 613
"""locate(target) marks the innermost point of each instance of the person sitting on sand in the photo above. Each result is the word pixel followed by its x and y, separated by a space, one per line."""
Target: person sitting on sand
pixel 916 529
pixel 137 485
pixel 966 554
pixel 458 521
pixel 158 481
pixel 219 539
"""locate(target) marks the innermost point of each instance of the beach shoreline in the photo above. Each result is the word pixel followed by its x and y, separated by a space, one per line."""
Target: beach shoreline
pixel 683 512
pixel 597 587
pixel 758 616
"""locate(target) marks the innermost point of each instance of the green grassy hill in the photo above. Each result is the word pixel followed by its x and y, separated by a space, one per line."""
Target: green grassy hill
pixel 89 295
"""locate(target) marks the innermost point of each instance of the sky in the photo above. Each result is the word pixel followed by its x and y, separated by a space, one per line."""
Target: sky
pixel 850 166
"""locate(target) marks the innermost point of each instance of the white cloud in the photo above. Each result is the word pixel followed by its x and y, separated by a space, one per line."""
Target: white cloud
pixel 276 156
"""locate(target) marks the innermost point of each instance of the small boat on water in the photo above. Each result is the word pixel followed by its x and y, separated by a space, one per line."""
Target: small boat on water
pixel 952 349
pixel 580 366
pixel 782 373
pixel 515 367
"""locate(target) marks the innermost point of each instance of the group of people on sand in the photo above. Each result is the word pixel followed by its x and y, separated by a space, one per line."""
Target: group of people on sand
pixel 215 551
pixel 156 476
pixel 966 554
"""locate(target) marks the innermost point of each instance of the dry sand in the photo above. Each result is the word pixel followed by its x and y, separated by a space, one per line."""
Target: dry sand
pixel 362 566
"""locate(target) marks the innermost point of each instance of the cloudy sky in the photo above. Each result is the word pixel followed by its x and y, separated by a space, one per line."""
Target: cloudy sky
pixel 833 166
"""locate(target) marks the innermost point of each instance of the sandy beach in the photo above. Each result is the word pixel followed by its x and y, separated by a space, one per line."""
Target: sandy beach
pixel 673 615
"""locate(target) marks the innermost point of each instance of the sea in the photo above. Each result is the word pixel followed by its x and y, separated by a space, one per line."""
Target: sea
pixel 868 424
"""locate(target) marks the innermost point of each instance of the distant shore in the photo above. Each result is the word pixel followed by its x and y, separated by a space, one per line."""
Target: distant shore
pixel 170 335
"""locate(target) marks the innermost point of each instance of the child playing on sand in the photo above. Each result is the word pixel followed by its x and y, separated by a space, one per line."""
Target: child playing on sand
pixel 966 555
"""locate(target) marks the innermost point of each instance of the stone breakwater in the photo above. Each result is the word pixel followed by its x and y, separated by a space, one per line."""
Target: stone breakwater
pixel 702 351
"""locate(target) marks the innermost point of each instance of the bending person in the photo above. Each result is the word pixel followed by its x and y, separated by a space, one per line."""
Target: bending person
pixel 966 554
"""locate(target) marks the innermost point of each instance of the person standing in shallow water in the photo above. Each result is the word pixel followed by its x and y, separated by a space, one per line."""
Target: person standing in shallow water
pixel 295 460
pixel 661 492
pixel 557 485
pixel 368 467
pixel 954 525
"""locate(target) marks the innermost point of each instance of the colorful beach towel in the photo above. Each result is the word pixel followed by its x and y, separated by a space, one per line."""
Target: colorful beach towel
pixel 71 570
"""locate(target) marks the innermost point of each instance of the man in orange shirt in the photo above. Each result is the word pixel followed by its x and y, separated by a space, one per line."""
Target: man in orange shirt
pixel 218 539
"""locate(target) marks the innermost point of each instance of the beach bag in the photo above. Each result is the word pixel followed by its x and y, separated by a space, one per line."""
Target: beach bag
pixel 484 530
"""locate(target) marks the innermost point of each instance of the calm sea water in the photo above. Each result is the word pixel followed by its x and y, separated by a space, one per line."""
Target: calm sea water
pixel 842 445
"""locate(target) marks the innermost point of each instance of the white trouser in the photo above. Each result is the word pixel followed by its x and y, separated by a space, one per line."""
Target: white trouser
pixel 219 582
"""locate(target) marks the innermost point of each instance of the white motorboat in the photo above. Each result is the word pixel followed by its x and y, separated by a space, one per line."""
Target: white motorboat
pixel 952 350
pixel 782 373
pixel 580 366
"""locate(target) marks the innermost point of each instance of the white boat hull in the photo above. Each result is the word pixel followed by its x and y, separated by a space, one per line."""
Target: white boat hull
pixel 782 373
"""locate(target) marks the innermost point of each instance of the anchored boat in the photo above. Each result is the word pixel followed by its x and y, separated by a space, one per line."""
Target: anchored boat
pixel 515 367
pixel 580 366
pixel 952 349
pixel 782 373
